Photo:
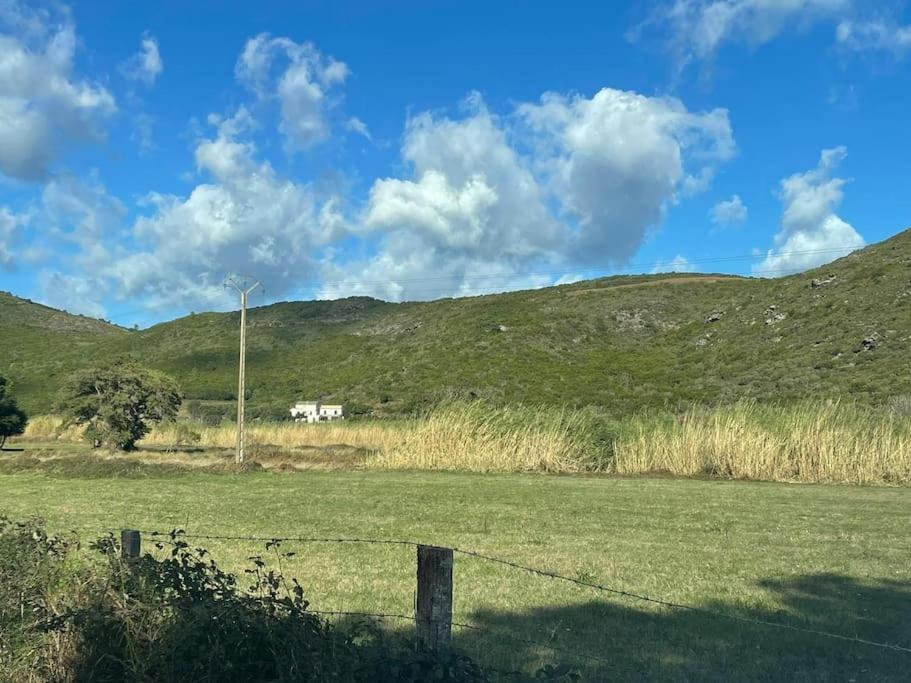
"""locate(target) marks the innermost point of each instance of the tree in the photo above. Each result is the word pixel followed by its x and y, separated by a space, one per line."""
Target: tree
pixel 119 402
pixel 12 418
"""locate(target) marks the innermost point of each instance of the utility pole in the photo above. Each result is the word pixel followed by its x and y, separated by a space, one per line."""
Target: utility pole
pixel 241 375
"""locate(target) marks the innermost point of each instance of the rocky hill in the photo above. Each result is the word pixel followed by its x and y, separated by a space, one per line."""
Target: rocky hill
pixel 627 342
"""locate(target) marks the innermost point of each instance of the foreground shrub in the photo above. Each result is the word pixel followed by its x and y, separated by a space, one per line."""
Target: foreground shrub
pixel 34 580
pixel 182 618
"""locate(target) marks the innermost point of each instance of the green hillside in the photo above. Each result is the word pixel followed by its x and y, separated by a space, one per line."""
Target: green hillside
pixel 622 342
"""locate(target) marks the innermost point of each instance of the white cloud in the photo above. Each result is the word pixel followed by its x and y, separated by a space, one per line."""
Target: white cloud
pixel 80 212
pixel 145 66
pixel 73 293
pixel 11 225
pixel 562 182
pixel 811 232
pixel 882 34
pixel 74 221
pixel 248 219
pixel 695 30
pixel 617 160
pixel 303 87
pixel 355 125
pixel 729 212
pixel 43 106
pixel 469 217
pixel 678 264
pixel 142 135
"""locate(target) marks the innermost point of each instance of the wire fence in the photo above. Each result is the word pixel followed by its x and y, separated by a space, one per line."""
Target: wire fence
pixel 591 585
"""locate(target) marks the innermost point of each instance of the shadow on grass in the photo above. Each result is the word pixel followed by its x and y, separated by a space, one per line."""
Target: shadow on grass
pixel 646 643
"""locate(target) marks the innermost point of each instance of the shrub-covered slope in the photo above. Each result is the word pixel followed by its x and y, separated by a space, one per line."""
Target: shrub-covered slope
pixel 623 342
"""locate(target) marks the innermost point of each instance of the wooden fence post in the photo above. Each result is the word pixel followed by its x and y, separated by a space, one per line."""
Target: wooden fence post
pixel 129 544
pixel 433 606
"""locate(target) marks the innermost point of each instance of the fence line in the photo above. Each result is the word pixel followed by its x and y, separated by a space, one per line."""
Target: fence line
pixel 180 533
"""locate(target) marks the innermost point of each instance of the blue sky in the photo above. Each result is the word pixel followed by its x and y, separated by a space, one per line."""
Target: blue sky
pixel 413 150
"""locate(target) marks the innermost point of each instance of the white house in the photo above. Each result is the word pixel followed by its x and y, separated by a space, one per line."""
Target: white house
pixel 315 411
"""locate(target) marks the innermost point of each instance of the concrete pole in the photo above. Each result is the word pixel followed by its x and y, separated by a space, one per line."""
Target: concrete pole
pixel 239 457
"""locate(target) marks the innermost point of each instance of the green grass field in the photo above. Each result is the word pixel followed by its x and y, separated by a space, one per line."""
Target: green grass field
pixel 833 558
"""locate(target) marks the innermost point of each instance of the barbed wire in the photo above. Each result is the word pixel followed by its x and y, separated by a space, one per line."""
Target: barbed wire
pixel 179 533
pixel 676 605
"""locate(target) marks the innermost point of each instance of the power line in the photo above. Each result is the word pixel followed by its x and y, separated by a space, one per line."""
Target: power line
pixel 178 533
pixel 680 606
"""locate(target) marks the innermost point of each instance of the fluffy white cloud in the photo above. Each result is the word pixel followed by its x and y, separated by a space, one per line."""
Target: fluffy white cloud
pixel 696 29
pixel 880 34
pixel 248 219
pixel 303 87
pixel 729 212
pixel 145 66
pixel 811 232
pixel 468 219
pixel 43 106
pixel 678 264
pixel 617 160
pixel 565 181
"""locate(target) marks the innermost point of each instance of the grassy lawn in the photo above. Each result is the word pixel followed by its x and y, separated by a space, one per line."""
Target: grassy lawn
pixel 833 558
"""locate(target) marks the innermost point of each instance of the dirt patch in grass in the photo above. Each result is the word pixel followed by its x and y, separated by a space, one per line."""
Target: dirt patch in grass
pixel 85 463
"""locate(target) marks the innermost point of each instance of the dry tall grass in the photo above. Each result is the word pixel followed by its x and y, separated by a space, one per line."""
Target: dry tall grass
pixel 476 437
pixel 50 428
pixel 369 435
pixel 811 442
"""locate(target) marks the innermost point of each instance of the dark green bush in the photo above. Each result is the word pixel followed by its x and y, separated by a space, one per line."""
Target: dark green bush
pixel 182 618
pixel 12 418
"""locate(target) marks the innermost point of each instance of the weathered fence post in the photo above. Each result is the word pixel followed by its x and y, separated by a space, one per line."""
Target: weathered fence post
pixel 434 596
pixel 129 544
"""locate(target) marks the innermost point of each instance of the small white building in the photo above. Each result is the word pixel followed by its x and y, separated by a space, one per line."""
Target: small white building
pixel 315 411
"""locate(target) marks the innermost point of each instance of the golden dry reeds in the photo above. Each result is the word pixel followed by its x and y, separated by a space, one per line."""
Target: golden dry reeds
pixel 477 437
pixel 369 435
pixel 808 442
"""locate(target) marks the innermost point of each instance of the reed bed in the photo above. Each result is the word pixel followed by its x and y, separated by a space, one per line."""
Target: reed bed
pixel 476 437
pixel 813 442
pixel 809 442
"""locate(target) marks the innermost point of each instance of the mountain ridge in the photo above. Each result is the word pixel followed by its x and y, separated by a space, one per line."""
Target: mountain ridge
pixel 624 342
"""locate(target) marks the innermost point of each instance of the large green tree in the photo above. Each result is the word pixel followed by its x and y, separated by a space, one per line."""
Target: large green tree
pixel 119 403
pixel 12 418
